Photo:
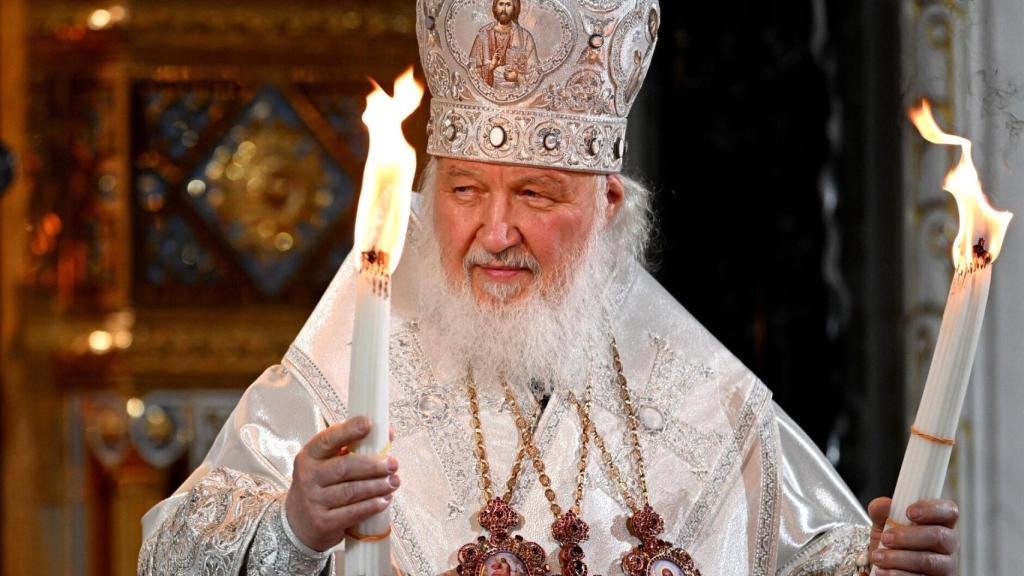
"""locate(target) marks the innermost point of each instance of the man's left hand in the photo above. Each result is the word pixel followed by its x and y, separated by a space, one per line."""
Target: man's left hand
pixel 928 546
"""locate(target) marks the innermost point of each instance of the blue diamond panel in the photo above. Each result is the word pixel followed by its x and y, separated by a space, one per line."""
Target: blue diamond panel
pixel 270 189
pixel 175 256
pixel 180 121
pixel 344 114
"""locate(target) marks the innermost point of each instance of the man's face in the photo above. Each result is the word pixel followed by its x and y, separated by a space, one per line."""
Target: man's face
pixel 513 230
pixel 503 11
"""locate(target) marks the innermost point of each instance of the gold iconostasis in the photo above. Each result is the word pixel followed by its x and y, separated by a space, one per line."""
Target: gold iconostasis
pixel 186 181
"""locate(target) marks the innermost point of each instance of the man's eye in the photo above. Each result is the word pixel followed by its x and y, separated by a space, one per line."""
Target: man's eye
pixel 462 190
pixel 535 198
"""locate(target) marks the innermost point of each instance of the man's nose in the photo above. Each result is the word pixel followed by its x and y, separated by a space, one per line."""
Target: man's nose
pixel 498 231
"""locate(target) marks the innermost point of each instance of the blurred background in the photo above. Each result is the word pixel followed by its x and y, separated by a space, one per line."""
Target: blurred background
pixel 179 183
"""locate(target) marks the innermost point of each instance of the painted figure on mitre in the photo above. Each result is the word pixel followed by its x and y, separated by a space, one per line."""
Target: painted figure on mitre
pixel 503 53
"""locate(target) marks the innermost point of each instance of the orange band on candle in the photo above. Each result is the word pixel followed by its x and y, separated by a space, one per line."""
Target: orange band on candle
pixel 353 533
pixel 383 452
pixel 930 438
pixel 891 522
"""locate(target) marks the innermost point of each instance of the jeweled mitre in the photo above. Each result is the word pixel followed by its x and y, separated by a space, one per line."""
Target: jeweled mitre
pixel 544 83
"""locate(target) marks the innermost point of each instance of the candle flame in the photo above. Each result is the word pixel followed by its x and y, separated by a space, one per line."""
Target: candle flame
pixel 386 193
pixel 982 227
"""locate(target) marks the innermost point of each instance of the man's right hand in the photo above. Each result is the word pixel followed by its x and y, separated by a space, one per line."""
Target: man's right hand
pixel 333 490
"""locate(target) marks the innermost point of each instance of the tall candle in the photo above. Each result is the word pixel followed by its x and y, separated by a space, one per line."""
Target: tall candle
pixel 976 247
pixel 367 547
pixel 381 221
pixel 932 436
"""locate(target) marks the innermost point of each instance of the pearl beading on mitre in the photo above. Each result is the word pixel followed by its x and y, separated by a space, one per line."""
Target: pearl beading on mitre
pixel 522 136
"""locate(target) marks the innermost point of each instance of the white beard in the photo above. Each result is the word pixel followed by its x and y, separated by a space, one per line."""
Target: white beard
pixel 550 336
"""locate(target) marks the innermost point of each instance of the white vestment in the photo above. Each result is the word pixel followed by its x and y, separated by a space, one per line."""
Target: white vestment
pixel 739 485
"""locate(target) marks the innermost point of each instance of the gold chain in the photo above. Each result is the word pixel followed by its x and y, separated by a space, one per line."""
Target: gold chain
pixel 609 463
pixel 632 436
pixel 581 467
pixel 481 451
pixel 632 421
pixel 538 463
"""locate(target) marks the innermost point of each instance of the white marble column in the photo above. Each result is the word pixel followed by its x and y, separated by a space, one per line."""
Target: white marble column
pixel 965 55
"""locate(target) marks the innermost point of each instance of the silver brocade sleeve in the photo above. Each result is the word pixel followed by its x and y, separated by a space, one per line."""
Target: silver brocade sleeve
pixel 823 529
pixel 227 516
pixel 276 551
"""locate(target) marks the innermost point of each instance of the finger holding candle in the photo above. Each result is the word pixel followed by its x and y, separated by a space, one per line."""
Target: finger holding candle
pixel 329 441
pixel 331 492
pixel 927 547
pixel 913 563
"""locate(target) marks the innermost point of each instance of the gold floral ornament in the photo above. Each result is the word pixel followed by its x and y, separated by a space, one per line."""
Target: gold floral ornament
pixel 263 185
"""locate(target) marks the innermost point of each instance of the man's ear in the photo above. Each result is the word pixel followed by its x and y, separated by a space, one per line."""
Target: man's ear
pixel 615 195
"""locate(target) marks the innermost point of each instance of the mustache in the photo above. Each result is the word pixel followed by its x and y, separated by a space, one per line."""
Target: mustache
pixel 512 257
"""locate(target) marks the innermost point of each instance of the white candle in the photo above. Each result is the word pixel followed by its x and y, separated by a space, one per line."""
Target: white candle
pixel 977 245
pixel 381 221
pixel 368 396
pixel 931 442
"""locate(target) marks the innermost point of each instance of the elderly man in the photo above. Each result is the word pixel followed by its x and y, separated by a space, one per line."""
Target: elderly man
pixel 553 407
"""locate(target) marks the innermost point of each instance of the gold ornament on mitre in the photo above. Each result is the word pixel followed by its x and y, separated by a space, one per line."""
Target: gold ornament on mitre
pixel 545 83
